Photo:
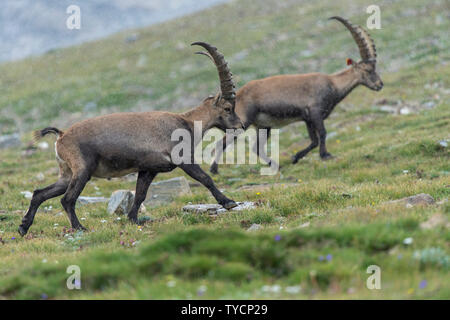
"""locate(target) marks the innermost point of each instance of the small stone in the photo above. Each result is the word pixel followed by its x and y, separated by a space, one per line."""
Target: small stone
pixel 418 199
pixel 305 225
pixel 214 208
pixel 89 200
pixel 10 141
pixel 132 38
pixel 405 111
pixel 254 227
pixel 27 194
pixel 408 241
pixel 120 202
pixel 429 104
pixel 293 289
pixel 90 106
pixel 43 145
pixel 388 109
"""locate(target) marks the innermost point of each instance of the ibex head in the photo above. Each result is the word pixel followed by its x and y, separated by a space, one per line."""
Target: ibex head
pixel 366 68
pixel 222 106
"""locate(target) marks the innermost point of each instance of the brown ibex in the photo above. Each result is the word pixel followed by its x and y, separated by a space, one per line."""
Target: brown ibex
pixel 280 100
pixel 117 144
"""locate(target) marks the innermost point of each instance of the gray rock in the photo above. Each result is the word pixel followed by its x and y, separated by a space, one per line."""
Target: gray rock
pixel 213 208
pixel 10 141
pixel 27 194
pixel 132 38
pixel 388 109
pixel 43 145
pixel 305 225
pixel 429 105
pixel 90 106
pixel 418 199
pixel 332 134
pixel 121 202
pixel 204 208
pixel 405 110
pixel 254 227
pixel 89 200
pixel 165 191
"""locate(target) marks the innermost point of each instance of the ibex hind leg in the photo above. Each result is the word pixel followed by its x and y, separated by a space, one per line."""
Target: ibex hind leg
pixel 80 176
pixel 40 196
pixel 195 172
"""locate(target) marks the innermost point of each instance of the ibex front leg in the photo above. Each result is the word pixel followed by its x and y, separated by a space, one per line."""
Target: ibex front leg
pixel 314 143
pixel 195 172
pixel 260 145
pixel 322 132
pixel 221 146
pixel 144 180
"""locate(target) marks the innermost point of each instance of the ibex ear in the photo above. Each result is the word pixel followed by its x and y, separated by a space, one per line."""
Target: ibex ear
pixel 350 62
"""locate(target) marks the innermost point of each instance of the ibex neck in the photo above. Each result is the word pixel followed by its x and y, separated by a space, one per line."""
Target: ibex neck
pixel 345 81
pixel 201 114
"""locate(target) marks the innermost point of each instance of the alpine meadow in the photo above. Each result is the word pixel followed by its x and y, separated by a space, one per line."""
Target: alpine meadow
pixel 317 225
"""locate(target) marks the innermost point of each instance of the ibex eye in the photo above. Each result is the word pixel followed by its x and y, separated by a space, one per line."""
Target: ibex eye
pixel 227 109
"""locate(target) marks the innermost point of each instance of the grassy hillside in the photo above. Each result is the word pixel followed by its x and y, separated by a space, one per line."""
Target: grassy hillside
pixel 319 235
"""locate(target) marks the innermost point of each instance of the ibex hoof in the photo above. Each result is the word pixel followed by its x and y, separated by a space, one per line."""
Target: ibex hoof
pixel 80 228
pixel 326 156
pixel 214 168
pixel 294 159
pixel 22 230
pixel 229 205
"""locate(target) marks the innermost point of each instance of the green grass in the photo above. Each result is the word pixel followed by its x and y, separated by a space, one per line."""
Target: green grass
pixel 379 157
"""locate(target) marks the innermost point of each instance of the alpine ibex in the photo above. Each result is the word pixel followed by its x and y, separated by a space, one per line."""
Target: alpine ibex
pixel 280 100
pixel 117 144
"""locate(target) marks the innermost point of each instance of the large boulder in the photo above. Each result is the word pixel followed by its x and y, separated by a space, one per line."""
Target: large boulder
pixel 165 191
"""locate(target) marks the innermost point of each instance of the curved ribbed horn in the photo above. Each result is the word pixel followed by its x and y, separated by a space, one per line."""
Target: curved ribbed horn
pixel 362 38
pixel 225 75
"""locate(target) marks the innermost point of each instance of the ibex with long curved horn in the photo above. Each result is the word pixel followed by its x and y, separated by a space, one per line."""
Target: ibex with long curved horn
pixel 277 101
pixel 121 143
